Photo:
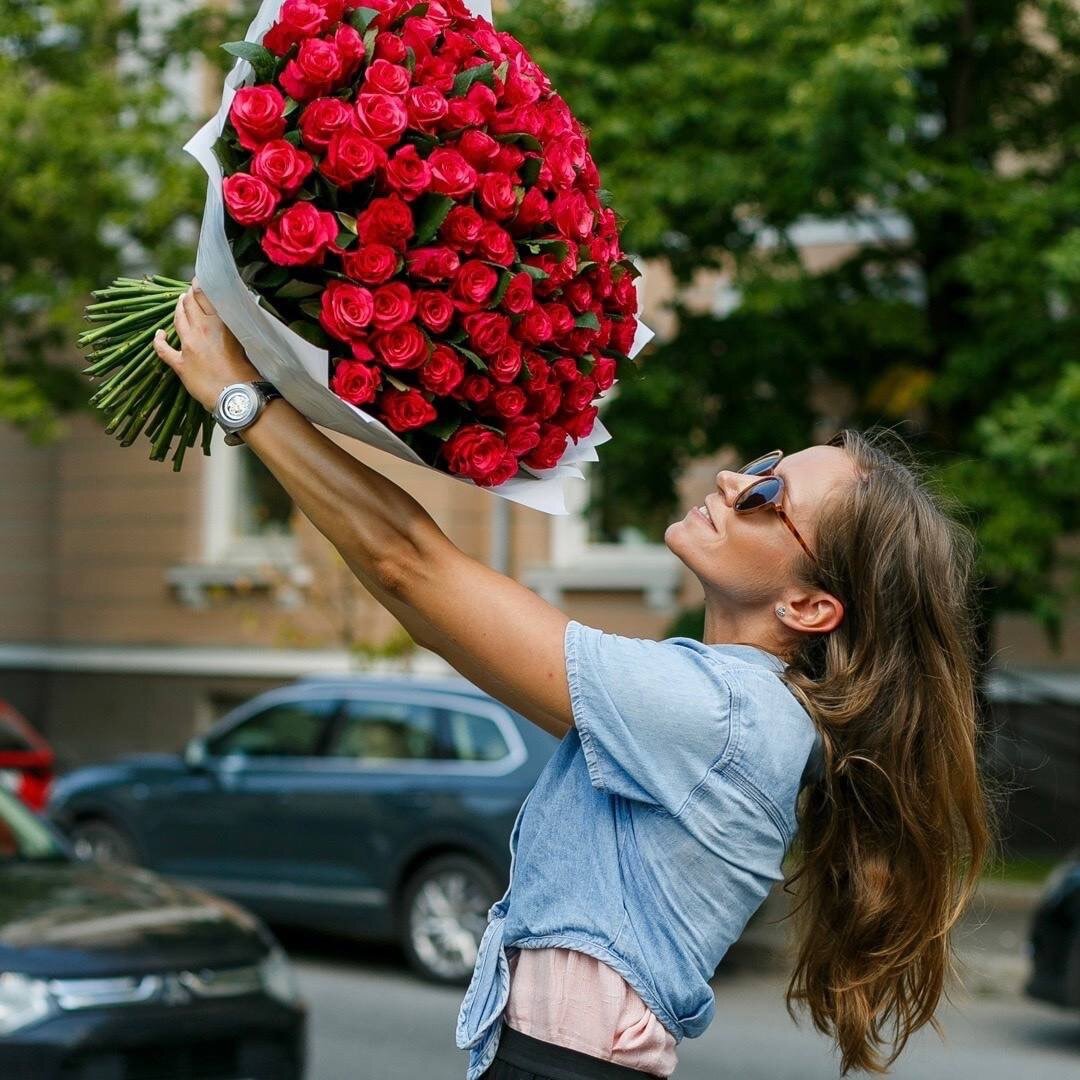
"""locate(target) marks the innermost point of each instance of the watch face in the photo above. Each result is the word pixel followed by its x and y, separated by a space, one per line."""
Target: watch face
pixel 237 405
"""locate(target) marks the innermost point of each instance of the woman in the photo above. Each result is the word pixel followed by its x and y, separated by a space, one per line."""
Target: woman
pixel 832 697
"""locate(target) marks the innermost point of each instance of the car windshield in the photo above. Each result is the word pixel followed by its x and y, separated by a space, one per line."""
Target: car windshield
pixel 23 837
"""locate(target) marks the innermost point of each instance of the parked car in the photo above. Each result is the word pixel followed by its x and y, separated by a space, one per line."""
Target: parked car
pixel 115 972
pixel 26 759
pixel 375 807
pixel 1054 944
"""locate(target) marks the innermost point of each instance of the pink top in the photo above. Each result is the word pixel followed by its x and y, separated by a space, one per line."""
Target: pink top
pixel 572 999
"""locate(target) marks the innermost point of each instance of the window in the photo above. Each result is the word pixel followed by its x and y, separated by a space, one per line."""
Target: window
pixel 287 729
pixel 385 731
pixel 475 738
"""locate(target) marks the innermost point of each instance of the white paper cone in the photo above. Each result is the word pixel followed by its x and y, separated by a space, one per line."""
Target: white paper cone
pixel 299 369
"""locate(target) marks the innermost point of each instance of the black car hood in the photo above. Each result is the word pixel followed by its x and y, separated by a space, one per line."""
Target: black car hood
pixel 70 920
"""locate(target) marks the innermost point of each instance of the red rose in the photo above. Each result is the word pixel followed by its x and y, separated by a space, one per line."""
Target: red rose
pixel 478 148
pixel 419 34
pixel 534 327
pixel 438 72
pixel 297 19
pixel 426 106
pixel 361 350
pixel 504 367
pixel 578 294
pixel 442 371
pixel 249 200
pixel 390 47
pixel 280 164
pixel 561 317
pixel 509 401
pixel 578 394
pixel 623 334
pixel 350 47
pixel 497 195
pixel 497 244
pixel 403 410
pixel 321 118
pixel 546 402
pixel 382 77
pixel 518 297
pixel 475 388
pixel 505 470
pixel 572 215
pixel 462 228
pixel 350 157
pixel 581 424
pixel 372 264
pixel 488 331
pixel 408 173
pixel 451 174
pixel 550 449
pixel 299 235
pixel 533 211
pixel 483 97
pixel 462 113
pixel 381 117
pixel 434 309
pixel 258 115
pixel 346 310
pixel 432 263
pixel 565 369
pixel 355 381
pixel 386 221
pixel 473 284
pixel 403 347
pixel 539 372
pixel 522 434
pixel 603 373
pixel 317 68
pixel 510 159
pixel 474 451
pixel 394 305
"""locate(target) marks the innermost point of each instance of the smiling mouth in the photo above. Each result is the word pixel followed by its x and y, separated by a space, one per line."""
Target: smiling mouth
pixel 703 510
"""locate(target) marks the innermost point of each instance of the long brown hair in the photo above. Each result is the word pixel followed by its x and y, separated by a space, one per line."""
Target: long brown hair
pixel 895 832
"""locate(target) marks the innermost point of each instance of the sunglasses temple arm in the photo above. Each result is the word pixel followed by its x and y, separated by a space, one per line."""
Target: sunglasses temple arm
pixel 795 532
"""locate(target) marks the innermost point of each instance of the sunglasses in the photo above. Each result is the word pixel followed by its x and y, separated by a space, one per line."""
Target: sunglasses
pixel 767 491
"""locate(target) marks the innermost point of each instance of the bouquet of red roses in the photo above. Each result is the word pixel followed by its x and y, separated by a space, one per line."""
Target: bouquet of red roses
pixel 406 231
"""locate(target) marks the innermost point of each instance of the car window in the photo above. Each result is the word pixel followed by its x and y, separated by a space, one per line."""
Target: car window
pixel 475 738
pixel 385 731
pixel 285 729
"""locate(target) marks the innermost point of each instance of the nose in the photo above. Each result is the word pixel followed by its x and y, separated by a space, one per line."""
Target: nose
pixel 729 484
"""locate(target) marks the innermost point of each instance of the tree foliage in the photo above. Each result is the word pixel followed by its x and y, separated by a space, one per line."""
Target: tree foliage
pixel 944 132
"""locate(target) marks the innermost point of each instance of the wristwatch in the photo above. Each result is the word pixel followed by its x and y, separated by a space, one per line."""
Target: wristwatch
pixel 239 405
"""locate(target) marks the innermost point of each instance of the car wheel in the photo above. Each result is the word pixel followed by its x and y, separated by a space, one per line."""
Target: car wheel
pixel 443 916
pixel 95 840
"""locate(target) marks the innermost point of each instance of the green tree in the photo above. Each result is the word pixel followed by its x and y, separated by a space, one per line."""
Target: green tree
pixel 721 124
pixel 95 182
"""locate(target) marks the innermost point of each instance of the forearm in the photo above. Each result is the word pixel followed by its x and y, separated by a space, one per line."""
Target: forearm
pixel 378 528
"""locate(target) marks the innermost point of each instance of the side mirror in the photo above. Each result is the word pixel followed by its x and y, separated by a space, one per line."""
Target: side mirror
pixel 195 754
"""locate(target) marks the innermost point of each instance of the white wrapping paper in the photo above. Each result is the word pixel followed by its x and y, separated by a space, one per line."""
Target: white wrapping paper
pixel 299 369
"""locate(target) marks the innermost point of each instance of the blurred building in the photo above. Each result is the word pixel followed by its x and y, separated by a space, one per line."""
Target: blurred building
pixel 139 604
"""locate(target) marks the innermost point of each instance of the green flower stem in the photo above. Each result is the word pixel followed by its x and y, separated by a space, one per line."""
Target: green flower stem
pixel 168 428
pixel 208 426
pixel 140 415
pixel 188 430
pixel 135 370
pixel 129 406
pixel 92 335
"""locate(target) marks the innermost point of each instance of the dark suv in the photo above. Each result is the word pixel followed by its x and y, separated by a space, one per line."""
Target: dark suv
pixel 378 807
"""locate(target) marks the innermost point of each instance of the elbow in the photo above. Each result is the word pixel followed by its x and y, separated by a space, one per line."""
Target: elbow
pixel 395 575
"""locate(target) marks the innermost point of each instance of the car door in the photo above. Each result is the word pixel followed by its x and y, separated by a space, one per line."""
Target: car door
pixel 228 825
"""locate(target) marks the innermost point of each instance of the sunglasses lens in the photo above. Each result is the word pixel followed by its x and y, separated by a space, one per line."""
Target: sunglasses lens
pixel 762 464
pixel 764 491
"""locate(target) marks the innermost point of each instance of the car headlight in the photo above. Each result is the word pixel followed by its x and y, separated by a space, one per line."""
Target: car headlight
pixel 278 978
pixel 23 1001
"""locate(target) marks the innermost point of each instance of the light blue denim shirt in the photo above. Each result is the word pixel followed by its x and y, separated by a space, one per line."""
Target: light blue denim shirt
pixel 656 829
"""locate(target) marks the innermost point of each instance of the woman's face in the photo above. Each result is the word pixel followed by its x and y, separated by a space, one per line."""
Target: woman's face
pixel 748 558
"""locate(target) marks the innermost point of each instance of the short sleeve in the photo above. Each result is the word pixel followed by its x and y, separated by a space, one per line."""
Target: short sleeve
pixel 654 717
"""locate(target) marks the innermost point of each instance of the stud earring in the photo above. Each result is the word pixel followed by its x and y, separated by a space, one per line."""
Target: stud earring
pixel 781 611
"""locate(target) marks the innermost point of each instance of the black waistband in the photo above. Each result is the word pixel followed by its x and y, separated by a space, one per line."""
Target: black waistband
pixel 559 1062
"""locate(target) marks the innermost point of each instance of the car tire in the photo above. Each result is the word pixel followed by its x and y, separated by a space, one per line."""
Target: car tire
pixel 98 840
pixel 443 915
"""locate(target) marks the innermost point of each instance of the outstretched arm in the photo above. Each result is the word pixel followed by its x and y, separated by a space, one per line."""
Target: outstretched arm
pixel 496 632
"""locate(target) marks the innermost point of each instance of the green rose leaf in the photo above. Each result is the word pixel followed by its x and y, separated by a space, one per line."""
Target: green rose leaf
pixel 261 59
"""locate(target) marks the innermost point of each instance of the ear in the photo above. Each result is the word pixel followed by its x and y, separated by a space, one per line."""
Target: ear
pixel 814 612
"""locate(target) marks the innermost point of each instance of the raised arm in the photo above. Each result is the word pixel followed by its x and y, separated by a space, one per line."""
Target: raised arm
pixel 496 632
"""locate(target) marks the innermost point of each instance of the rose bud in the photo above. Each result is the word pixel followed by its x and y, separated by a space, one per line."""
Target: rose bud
pixel 393 305
pixel 317 68
pixel 347 310
pixel 408 173
pixel 386 221
pixel 462 228
pixel 432 263
pixel 372 263
pixel 478 148
pixel 474 282
pixel 382 77
pixel 381 117
pixel 497 195
pixel 505 470
pixel 497 245
pixel 580 425
pixel 546 403
pixel 355 381
pixel 403 347
pixel 534 327
pixel 350 47
pixel 249 200
pixel 299 235
pixel 571 215
pixel 297 19
pixel 443 370
pixel 578 394
pixel 509 401
pixel 403 410
pixel 258 115
pixel 350 157
pixel 474 451
pixel 623 334
pixel 451 174
pixel 434 309
pixel 504 367
pixel 389 47
pixel 438 72
pixel 321 118
pixel 532 212
pixel 550 449
pixel 426 106
pixel 281 165
pixel 488 331
pixel 476 388
pixel 522 433
pixel 518 297
pixel 361 350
